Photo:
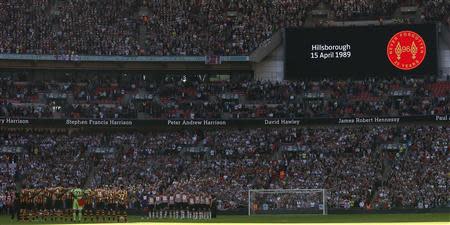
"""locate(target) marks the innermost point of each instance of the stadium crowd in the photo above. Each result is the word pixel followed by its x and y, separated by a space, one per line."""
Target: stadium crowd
pixel 363 9
pixel 367 167
pixel 354 164
pixel 160 28
pixel 436 10
pixel 135 97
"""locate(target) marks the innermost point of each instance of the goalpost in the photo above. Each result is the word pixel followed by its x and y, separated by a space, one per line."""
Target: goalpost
pixel 269 201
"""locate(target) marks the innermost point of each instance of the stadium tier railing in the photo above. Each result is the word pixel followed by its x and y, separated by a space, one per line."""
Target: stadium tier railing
pixel 90 58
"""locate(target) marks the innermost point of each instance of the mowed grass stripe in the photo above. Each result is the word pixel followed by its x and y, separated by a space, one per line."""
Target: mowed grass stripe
pixel 422 218
pixel 169 223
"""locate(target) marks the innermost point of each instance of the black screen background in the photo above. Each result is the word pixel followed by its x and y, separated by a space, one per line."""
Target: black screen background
pixel 368 47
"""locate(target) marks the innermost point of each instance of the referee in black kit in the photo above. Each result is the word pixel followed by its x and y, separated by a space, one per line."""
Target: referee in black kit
pixel 15 206
pixel 213 206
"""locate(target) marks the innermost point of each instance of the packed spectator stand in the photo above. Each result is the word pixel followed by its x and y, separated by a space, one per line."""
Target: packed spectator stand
pixel 361 167
pixel 370 167
pixel 162 28
pixel 135 97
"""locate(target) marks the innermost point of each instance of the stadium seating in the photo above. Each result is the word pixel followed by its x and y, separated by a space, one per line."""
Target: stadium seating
pixel 147 99
pixel 384 167
pixel 162 28
pixel 366 167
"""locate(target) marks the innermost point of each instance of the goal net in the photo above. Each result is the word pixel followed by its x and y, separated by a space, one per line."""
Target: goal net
pixel 288 201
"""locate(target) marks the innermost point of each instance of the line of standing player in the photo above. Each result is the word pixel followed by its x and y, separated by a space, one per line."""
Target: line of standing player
pixel 180 206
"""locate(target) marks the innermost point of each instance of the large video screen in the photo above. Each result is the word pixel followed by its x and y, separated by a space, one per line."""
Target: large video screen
pixel 399 50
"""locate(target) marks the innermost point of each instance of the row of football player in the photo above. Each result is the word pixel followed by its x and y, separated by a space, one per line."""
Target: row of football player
pixel 179 206
pixel 58 198
pixel 28 215
pixel 51 204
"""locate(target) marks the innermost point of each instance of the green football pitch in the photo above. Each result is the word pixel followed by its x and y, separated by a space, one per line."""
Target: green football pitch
pixel 372 219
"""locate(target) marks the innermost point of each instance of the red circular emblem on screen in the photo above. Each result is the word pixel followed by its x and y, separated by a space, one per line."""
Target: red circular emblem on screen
pixel 406 50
